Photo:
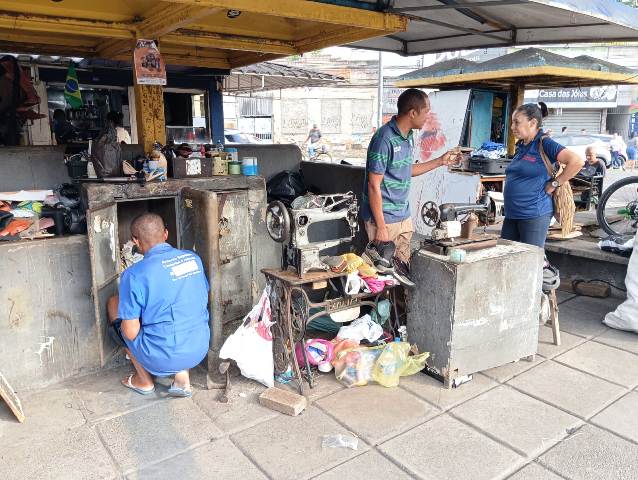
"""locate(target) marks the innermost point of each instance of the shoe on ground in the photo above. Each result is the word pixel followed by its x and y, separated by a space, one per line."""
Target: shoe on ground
pixel 401 272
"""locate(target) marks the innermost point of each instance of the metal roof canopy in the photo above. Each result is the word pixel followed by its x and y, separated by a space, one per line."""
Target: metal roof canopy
pixel 531 67
pixel 447 25
pixel 273 76
pixel 221 34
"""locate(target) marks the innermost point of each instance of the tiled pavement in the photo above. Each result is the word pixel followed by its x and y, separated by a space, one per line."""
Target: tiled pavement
pixel 572 413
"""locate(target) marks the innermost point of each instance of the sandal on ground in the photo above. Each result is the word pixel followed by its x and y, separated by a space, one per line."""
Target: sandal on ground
pixel 174 391
pixel 141 391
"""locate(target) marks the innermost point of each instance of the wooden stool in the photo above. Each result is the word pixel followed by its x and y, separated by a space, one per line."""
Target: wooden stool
pixel 553 316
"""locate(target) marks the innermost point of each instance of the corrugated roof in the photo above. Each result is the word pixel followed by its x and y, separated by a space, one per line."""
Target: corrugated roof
pixel 446 25
pixel 532 66
pixel 274 76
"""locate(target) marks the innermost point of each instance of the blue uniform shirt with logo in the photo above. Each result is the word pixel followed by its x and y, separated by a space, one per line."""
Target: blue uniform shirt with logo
pixel 525 180
pixel 390 155
pixel 168 292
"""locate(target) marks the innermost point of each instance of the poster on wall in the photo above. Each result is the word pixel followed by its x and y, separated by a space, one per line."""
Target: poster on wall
pixel 149 65
pixel 442 131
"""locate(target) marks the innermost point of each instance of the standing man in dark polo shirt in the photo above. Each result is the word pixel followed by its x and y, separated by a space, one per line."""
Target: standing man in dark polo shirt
pixel 161 314
pixel 389 169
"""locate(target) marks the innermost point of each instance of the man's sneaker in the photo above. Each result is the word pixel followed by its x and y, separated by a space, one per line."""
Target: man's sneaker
pixel 382 264
pixel 402 273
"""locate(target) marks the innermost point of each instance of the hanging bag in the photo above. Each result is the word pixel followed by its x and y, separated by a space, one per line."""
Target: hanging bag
pixel 563 198
pixel 251 344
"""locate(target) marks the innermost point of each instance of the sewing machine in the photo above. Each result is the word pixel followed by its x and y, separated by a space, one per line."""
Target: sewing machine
pixel 302 228
pixel 455 224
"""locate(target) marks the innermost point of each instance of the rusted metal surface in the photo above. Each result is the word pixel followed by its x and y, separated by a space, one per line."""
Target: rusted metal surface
pixel 104 252
pixel 47 329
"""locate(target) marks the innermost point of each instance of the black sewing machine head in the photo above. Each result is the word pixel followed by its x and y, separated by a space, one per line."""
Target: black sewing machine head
pixel 313 223
pixel 454 225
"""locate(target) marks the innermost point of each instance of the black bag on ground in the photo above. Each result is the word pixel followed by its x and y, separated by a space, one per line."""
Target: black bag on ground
pixel 107 154
pixel 285 186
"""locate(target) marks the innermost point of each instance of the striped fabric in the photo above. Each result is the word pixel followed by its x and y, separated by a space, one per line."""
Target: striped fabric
pixel 390 154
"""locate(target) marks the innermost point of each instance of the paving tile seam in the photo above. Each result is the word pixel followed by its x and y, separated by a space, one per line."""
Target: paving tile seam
pixel 454 405
pixel 402 467
pixel 250 458
pixel 111 416
pixel 612 346
pixel 368 442
pixel 551 469
pixel 567 300
pixel 114 462
pixel 177 453
pixel 533 365
pixel 627 387
pixel 573 414
pixel 358 454
pixel 614 433
pixel 585 340
pixel 536 453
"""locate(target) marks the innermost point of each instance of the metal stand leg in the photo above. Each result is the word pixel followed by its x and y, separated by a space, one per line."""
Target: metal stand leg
pixel 288 320
pixel 553 315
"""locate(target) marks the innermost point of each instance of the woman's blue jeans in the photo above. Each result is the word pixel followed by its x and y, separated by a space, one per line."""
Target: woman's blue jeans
pixel 532 231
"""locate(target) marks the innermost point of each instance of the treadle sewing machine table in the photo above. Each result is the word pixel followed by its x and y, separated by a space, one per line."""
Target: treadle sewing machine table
pixel 292 315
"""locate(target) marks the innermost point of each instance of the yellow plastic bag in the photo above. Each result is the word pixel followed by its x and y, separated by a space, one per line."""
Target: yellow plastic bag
pixel 385 364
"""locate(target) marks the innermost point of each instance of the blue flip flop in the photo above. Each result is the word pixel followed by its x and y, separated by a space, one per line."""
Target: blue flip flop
pixel 141 391
pixel 174 391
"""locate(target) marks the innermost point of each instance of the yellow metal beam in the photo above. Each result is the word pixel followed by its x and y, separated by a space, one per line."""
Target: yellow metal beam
pixel 65 25
pixel 116 48
pixel 197 38
pixel 46 49
pixel 165 18
pixel 46 39
pixel 325 37
pixel 149 112
pixel 311 12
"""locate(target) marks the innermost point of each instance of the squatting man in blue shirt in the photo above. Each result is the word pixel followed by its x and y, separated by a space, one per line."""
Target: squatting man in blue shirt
pixel 161 314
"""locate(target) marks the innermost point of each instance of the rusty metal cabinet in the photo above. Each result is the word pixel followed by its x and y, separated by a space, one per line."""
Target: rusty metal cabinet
pixel 221 219
pixel 216 225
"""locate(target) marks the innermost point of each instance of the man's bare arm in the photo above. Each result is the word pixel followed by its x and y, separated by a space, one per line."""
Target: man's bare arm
pixel 376 206
pixel 448 158
pixel 131 328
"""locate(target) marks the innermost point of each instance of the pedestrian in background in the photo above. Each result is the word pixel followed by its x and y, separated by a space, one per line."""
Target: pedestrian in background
pixel 632 152
pixel 616 145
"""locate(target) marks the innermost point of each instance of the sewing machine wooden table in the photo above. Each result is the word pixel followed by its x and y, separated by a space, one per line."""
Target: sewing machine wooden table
pixel 292 310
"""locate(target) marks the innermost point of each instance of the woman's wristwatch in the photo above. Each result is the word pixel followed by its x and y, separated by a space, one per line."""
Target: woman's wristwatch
pixel 555 183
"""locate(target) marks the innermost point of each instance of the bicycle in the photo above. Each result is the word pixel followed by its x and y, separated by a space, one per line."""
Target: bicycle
pixel 617 210
pixel 320 154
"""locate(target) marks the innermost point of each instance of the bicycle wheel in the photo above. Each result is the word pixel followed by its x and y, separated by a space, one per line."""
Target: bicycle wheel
pixel 322 157
pixel 617 211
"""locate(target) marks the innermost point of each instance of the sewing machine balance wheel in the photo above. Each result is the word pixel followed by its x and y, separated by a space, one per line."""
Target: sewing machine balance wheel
pixel 430 214
pixel 278 221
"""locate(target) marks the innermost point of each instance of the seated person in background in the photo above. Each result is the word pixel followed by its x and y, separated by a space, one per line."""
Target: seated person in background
pixel 593 165
pixel 116 119
pixel 160 316
pixel 63 130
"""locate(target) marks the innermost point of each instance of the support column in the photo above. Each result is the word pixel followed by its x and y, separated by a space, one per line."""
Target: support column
pixel 516 98
pixel 149 110
pixel 216 110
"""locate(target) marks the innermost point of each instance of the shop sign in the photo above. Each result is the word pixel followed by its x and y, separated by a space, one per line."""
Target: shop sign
pixel 149 65
pixel 604 94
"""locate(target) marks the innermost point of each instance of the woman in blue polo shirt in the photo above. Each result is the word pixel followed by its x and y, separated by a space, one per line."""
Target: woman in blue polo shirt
pixel 528 186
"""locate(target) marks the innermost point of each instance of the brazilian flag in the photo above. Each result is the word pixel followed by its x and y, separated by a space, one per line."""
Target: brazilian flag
pixel 72 88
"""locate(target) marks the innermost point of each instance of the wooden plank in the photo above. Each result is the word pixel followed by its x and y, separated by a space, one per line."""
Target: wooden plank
pixel 11 399
pixel 559 236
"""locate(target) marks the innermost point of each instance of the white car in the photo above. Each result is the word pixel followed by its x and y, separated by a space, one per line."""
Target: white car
pixel 579 143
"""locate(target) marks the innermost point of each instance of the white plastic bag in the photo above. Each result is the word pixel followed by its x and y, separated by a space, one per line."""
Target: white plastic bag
pixel 251 344
pixel 625 317
pixel 361 328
